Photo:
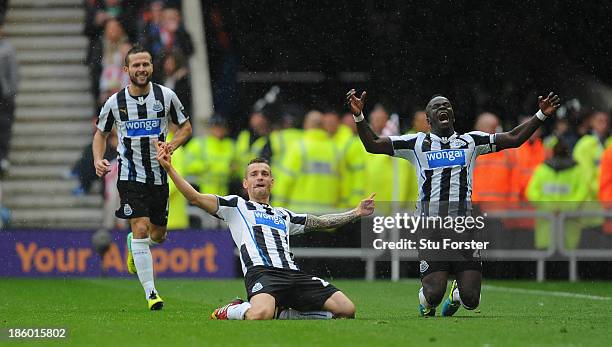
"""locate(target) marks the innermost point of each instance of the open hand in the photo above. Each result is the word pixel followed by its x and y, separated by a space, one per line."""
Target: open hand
pixel 354 103
pixel 550 104
pixel 366 206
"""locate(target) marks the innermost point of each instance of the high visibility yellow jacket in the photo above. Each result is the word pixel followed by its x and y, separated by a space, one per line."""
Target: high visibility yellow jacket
pixel 309 178
pixel 177 204
pixel 209 163
pixel 280 141
pixel 353 170
pixel 393 180
pixel 587 153
pixel 246 150
pixel 558 185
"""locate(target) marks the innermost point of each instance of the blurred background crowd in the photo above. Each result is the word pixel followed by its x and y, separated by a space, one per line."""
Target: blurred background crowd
pixel 279 73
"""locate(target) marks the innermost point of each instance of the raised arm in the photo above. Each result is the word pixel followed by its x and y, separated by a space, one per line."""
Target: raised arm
pixel 330 221
pixel 207 202
pixel 371 142
pixel 522 132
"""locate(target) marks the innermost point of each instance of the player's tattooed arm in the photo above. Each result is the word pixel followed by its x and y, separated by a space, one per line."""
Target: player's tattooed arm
pixel 371 142
pixel 521 133
pixel 330 221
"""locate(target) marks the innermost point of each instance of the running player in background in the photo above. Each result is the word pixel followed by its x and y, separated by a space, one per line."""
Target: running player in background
pixel 261 233
pixel 142 113
pixel 445 187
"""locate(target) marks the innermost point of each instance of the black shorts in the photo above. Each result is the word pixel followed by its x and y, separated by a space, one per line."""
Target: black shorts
pixel 143 200
pixel 291 288
pixel 453 267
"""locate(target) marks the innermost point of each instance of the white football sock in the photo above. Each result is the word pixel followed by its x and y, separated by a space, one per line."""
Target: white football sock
pixel 144 264
pixel 422 299
pixel 456 297
pixel 293 314
pixel 237 312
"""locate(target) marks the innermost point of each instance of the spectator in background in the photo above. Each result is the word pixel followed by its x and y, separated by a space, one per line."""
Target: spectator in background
pixel 98 12
pixel 175 75
pixel 605 186
pixel 169 35
pixel 493 172
pixel 352 156
pixel 589 148
pixel 392 179
pixel 419 123
pixel 208 165
pixel 528 156
pixel 151 17
pixel 557 185
pixel 280 140
pixel 310 176
pixel 8 91
pixel 106 64
pixel 251 142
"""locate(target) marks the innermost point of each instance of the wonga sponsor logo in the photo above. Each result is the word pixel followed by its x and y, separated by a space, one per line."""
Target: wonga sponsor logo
pixel 143 127
pixel 272 221
pixel 445 158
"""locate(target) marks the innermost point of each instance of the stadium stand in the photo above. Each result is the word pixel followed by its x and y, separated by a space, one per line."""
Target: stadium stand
pixel 54 109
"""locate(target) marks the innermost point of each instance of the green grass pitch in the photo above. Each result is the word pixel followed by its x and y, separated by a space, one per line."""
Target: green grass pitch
pixel 113 312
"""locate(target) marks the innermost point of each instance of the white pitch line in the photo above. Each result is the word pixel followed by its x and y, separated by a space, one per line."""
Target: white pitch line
pixel 545 293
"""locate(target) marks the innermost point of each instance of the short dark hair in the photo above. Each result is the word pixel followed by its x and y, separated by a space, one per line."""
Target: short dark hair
pixel 135 50
pixel 257 160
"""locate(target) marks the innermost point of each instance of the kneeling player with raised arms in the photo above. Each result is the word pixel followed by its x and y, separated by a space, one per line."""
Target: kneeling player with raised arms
pixel 261 233
pixel 444 161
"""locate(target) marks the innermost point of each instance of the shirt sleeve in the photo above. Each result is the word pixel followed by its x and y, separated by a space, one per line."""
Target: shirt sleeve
pixel 484 143
pixel 403 146
pixel 176 110
pixel 227 206
pixel 106 120
pixel 295 222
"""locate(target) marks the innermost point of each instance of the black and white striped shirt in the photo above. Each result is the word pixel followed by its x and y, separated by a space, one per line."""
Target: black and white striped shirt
pixel 445 168
pixel 139 121
pixel 260 231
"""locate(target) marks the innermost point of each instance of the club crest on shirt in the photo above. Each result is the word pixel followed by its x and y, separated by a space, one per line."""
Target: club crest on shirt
pixel 257 287
pixel 445 158
pixel 273 221
pixel 423 266
pixel 127 210
pixel 157 106
pixel 459 143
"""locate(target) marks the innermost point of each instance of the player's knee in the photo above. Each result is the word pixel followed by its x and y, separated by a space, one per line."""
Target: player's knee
pixel 140 229
pixel 470 300
pixel 259 313
pixel 159 236
pixel 346 310
pixel 434 295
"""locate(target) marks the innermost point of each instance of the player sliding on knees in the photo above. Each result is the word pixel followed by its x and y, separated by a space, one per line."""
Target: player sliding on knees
pixel 261 233
pixel 445 188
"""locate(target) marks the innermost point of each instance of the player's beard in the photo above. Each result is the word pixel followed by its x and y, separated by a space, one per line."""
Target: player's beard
pixel 134 81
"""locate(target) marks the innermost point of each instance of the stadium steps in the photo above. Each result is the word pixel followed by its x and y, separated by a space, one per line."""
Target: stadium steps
pixel 57 84
pixel 36 57
pixel 53 117
pixel 44 217
pixel 43 44
pixel 56 142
